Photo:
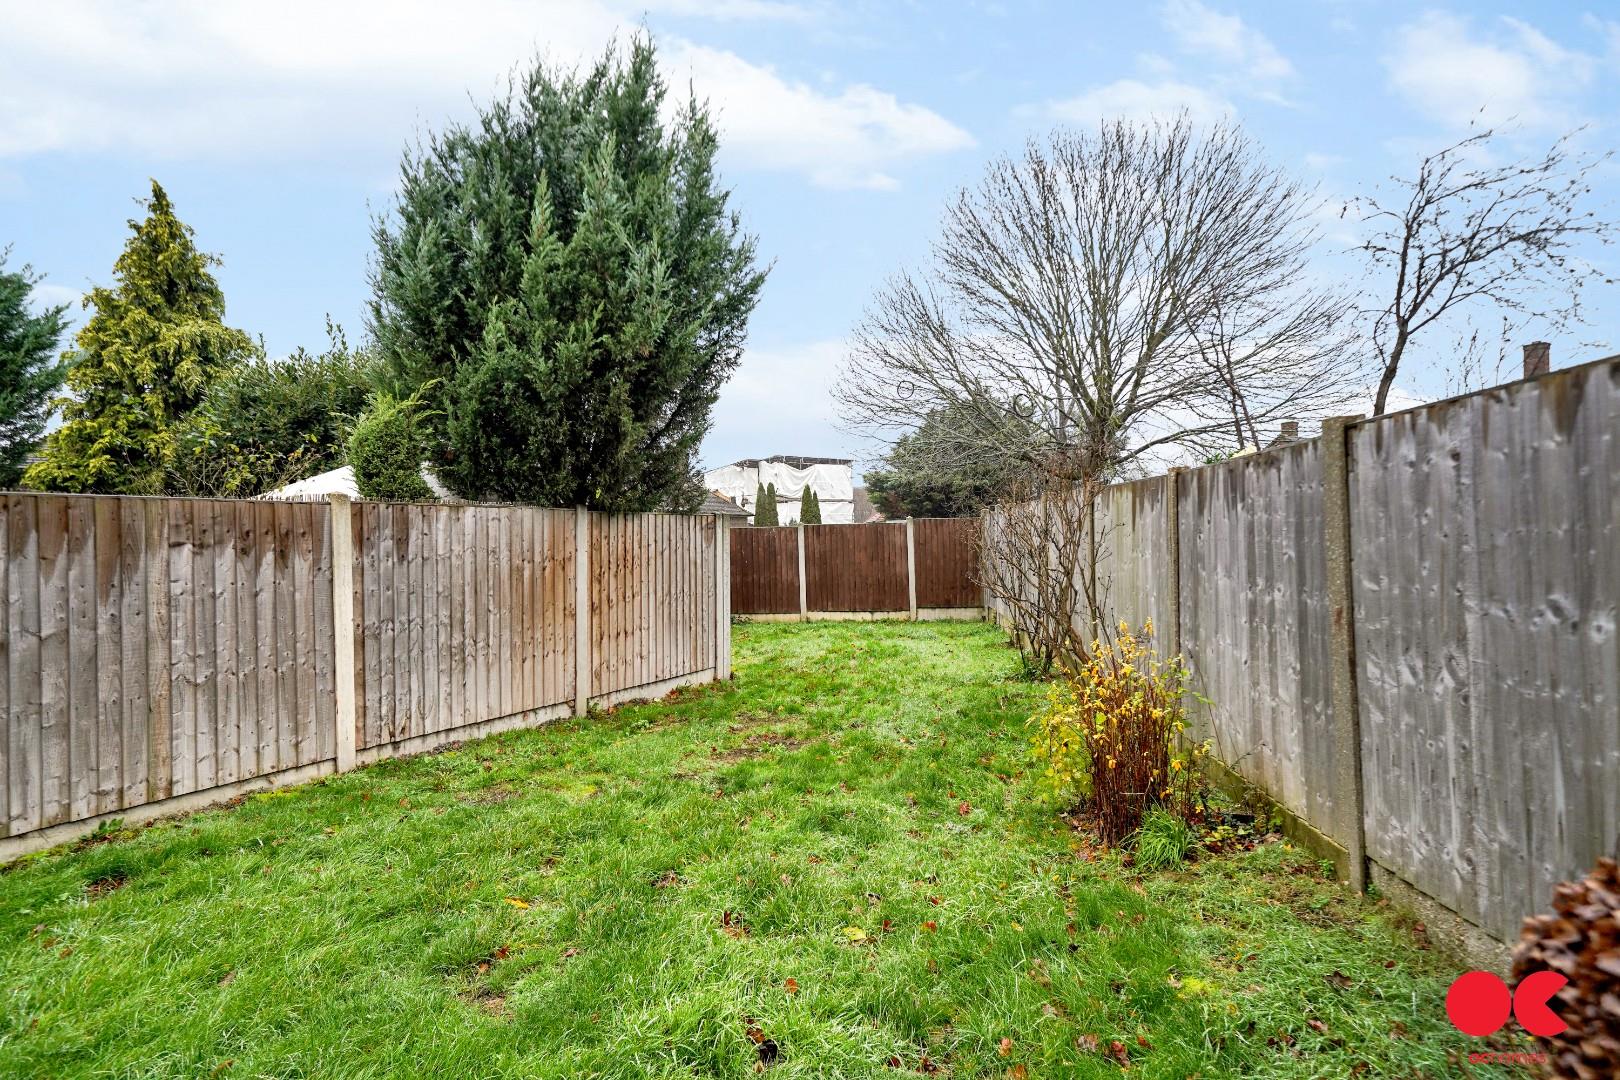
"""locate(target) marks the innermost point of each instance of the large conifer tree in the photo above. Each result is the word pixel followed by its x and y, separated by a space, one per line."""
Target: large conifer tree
pixel 29 369
pixel 567 268
pixel 142 362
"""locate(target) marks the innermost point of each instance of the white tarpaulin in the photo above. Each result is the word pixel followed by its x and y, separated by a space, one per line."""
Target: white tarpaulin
pixel 834 485
pixel 335 482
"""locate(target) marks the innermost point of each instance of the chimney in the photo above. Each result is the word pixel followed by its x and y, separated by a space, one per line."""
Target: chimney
pixel 1290 429
pixel 1537 359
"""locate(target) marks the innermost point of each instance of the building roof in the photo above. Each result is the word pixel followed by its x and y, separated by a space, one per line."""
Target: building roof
pixel 716 503
pixel 796 461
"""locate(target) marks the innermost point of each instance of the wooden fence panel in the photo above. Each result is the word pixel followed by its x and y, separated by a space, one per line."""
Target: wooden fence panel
pixel 1255 622
pixel 764 570
pixel 652 594
pixel 856 567
pixel 946 562
pixel 1133 554
pixel 130 666
pixel 460 621
pixel 1486 588
pixel 157 648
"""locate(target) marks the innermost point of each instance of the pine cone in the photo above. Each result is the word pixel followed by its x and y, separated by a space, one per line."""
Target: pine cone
pixel 1580 941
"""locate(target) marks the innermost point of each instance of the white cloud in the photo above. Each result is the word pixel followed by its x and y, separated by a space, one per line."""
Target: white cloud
pixel 48 295
pixel 1132 99
pixel 1441 67
pixel 352 82
pixel 847 140
pixel 1200 31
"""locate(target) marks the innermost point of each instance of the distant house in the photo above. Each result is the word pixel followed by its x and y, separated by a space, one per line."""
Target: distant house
pixel 832 479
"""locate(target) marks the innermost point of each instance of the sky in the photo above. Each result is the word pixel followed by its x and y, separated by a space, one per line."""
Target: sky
pixel 846 128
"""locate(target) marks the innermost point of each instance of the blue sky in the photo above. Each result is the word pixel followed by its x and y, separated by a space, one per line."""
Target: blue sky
pixel 846 127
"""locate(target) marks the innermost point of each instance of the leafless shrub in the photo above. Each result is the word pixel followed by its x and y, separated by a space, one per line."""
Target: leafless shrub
pixel 1037 561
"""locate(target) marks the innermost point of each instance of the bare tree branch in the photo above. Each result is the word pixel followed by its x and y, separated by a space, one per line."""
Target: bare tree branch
pixel 1469 232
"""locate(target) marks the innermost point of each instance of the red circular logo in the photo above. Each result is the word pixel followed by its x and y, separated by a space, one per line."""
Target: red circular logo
pixel 1478 1003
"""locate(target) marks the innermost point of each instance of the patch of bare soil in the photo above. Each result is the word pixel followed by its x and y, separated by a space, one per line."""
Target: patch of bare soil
pixel 490 796
pixel 759 744
pixel 100 887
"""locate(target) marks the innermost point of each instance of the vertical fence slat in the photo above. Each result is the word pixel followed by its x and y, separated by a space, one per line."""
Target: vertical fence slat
pixel 53 660
pixel 82 713
pixel 134 632
pixel 23 628
pixel 108 614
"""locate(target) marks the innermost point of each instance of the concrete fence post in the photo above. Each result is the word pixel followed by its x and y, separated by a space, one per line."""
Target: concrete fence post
pixel 804 585
pixel 341 519
pixel 722 597
pixel 911 568
pixel 1349 796
pixel 582 611
pixel 1172 578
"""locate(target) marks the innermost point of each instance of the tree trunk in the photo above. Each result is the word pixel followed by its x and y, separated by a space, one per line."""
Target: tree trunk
pixel 1391 366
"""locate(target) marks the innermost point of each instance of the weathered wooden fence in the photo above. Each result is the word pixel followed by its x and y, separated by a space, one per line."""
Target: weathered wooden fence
pixel 161 653
pixel 1408 630
pixel 917 568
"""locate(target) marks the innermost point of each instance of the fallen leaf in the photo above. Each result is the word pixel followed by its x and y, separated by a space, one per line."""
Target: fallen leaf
pixel 1005 1049
pixel 227 978
pixel 1339 979
pixel 791 986
pixel 570 953
pixel 1316 1025
pixel 930 926
pixel 1087 1042
pixel 1018 1072
pixel 854 933
pixel 517 903
pixel 1120 1053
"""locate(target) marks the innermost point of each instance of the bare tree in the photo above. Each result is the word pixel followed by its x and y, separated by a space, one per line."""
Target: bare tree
pixel 1106 294
pixel 1469 230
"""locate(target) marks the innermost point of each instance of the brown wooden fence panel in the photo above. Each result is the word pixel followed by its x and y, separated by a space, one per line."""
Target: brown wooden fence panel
pixel 652 599
pixel 946 562
pixel 154 648
pixel 465 614
pixel 856 567
pixel 764 570
pixel 131 666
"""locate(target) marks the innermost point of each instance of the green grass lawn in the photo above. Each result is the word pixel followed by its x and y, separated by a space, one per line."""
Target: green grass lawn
pixel 836 865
